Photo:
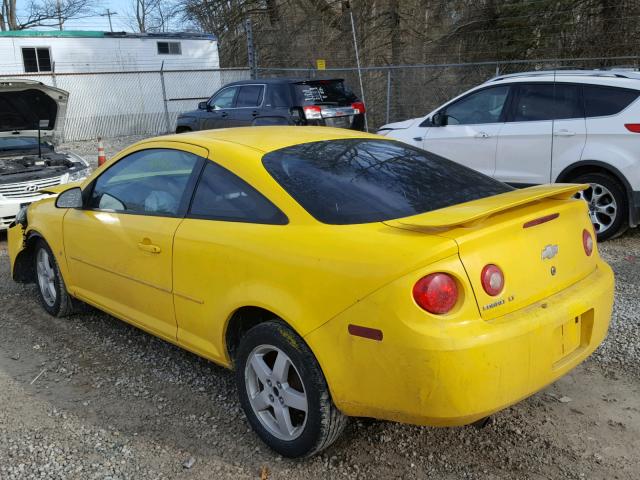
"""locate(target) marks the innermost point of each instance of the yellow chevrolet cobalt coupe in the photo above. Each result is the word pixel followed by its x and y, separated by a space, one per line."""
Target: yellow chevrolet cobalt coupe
pixel 338 273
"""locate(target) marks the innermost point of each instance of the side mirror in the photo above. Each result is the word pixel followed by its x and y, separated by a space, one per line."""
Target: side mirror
pixel 439 119
pixel 71 198
pixel 203 106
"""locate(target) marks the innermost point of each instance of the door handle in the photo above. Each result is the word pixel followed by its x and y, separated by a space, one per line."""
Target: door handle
pixel 223 114
pixel 146 246
pixel 417 139
pixel 564 133
pixel 482 135
pixel 255 113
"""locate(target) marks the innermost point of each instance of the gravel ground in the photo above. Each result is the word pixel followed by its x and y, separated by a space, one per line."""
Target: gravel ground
pixel 90 397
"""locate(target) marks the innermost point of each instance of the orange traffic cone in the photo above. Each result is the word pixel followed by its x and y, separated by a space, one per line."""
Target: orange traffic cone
pixel 101 156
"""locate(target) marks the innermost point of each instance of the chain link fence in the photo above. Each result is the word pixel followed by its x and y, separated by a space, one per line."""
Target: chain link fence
pixel 399 92
pixel 118 103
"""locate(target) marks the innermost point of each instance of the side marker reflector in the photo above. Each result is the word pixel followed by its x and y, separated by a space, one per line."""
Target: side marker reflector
pixel 365 332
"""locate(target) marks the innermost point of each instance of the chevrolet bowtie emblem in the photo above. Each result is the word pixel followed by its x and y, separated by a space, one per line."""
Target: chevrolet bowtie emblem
pixel 549 252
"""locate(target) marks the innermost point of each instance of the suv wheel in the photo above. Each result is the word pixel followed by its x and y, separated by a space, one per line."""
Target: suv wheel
pixel 608 207
pixel 284 393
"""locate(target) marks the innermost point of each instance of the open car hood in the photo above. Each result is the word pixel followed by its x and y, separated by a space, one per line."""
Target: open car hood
pixel 23 103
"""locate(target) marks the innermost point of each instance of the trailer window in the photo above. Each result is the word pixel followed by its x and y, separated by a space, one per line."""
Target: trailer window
pixel 169 48
pixel 36 59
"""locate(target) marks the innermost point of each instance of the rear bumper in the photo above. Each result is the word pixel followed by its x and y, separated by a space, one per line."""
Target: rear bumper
pixel 459 374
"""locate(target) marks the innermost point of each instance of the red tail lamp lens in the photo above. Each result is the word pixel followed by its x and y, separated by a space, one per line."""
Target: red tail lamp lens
pixel 358 107
pixel 492 279
pixel 633 127
pixel 312 112
pixel 436 293
pixel 587 242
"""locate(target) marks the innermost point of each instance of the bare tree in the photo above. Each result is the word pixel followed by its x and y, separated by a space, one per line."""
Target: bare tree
pixel 152 15
pixel 43 13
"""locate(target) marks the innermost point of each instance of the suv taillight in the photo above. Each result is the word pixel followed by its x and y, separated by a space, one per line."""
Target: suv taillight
pixel 436 293
pixel 312 112
pixel 358 107
pixel 633 127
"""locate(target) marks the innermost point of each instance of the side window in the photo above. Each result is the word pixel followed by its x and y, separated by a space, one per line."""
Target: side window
pixel 602 101
pixel 484 106
pixel 223 99
pixel 221 195
pixel 147 182
pixel 250 96
pixel 568 103
pixel 278 95
pixel 36 59
pixel 534 103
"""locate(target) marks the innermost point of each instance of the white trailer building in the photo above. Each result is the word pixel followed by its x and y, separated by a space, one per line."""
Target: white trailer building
pixel 119 83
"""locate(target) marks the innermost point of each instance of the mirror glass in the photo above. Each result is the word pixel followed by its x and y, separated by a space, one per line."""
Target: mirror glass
pixel 71 198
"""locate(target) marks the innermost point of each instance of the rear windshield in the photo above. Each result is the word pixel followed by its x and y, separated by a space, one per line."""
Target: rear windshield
pixel 324 92
pixel 360 180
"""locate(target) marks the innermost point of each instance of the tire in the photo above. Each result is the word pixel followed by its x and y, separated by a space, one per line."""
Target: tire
pixel 306 433
pixel 608 204
pixel 52 290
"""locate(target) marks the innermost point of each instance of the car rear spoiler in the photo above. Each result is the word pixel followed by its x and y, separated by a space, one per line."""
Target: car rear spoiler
pixel 469 213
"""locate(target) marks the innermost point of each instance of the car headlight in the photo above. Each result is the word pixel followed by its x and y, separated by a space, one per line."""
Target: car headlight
pixel 78 175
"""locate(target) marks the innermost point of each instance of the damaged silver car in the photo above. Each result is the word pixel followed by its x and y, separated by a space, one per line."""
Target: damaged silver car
pixel 31 118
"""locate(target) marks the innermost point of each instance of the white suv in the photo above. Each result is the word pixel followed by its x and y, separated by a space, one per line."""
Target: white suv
pixel 539 127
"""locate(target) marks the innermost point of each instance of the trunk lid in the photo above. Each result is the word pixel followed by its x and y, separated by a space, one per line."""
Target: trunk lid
pixel 537 260
pixel 24 103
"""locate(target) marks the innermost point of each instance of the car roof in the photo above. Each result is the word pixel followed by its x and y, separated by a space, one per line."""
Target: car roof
pixel 615 77
pixel 264 139
pixel 275 81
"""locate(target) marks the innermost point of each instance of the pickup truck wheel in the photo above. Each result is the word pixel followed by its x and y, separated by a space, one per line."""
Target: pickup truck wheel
pixel 51 288
pixel 607 202
pixel 284 393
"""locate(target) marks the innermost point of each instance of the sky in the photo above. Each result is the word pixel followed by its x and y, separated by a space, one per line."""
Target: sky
pixel 120 22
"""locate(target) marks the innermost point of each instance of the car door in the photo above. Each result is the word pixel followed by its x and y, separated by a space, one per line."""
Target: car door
pixel 569 128
pixel 218 108
pixel 248 105
pixel 213 252
pixel 525 142
pixel 119 246
pixel 469 132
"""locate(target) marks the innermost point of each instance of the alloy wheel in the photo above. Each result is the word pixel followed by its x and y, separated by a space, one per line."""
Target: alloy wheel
pixel 602 206
pixel 46 277
pixel 276 392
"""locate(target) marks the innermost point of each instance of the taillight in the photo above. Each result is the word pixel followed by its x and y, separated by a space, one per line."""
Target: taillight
pixel 436 293
pixel 358 107
pixel 313 112
pixel 633 127
pixel 492 279
pixel 587 242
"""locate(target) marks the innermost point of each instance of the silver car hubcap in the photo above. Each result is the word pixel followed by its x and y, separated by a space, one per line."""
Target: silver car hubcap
pixel 276 392
pixel 602 206
pixel 46 276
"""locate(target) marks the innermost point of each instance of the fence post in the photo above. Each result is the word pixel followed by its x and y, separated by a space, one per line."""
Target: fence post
pixel 54 80
pixel 497 68
pixel 164 99
pixel 388 94
pixel 251 50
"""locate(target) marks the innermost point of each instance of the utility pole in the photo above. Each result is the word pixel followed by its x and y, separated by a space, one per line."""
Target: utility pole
pixel 108 13
pixel 59 10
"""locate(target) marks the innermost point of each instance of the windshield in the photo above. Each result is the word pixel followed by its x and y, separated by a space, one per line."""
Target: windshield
pixel 19 143
pixel 360 180
pixel 318 92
